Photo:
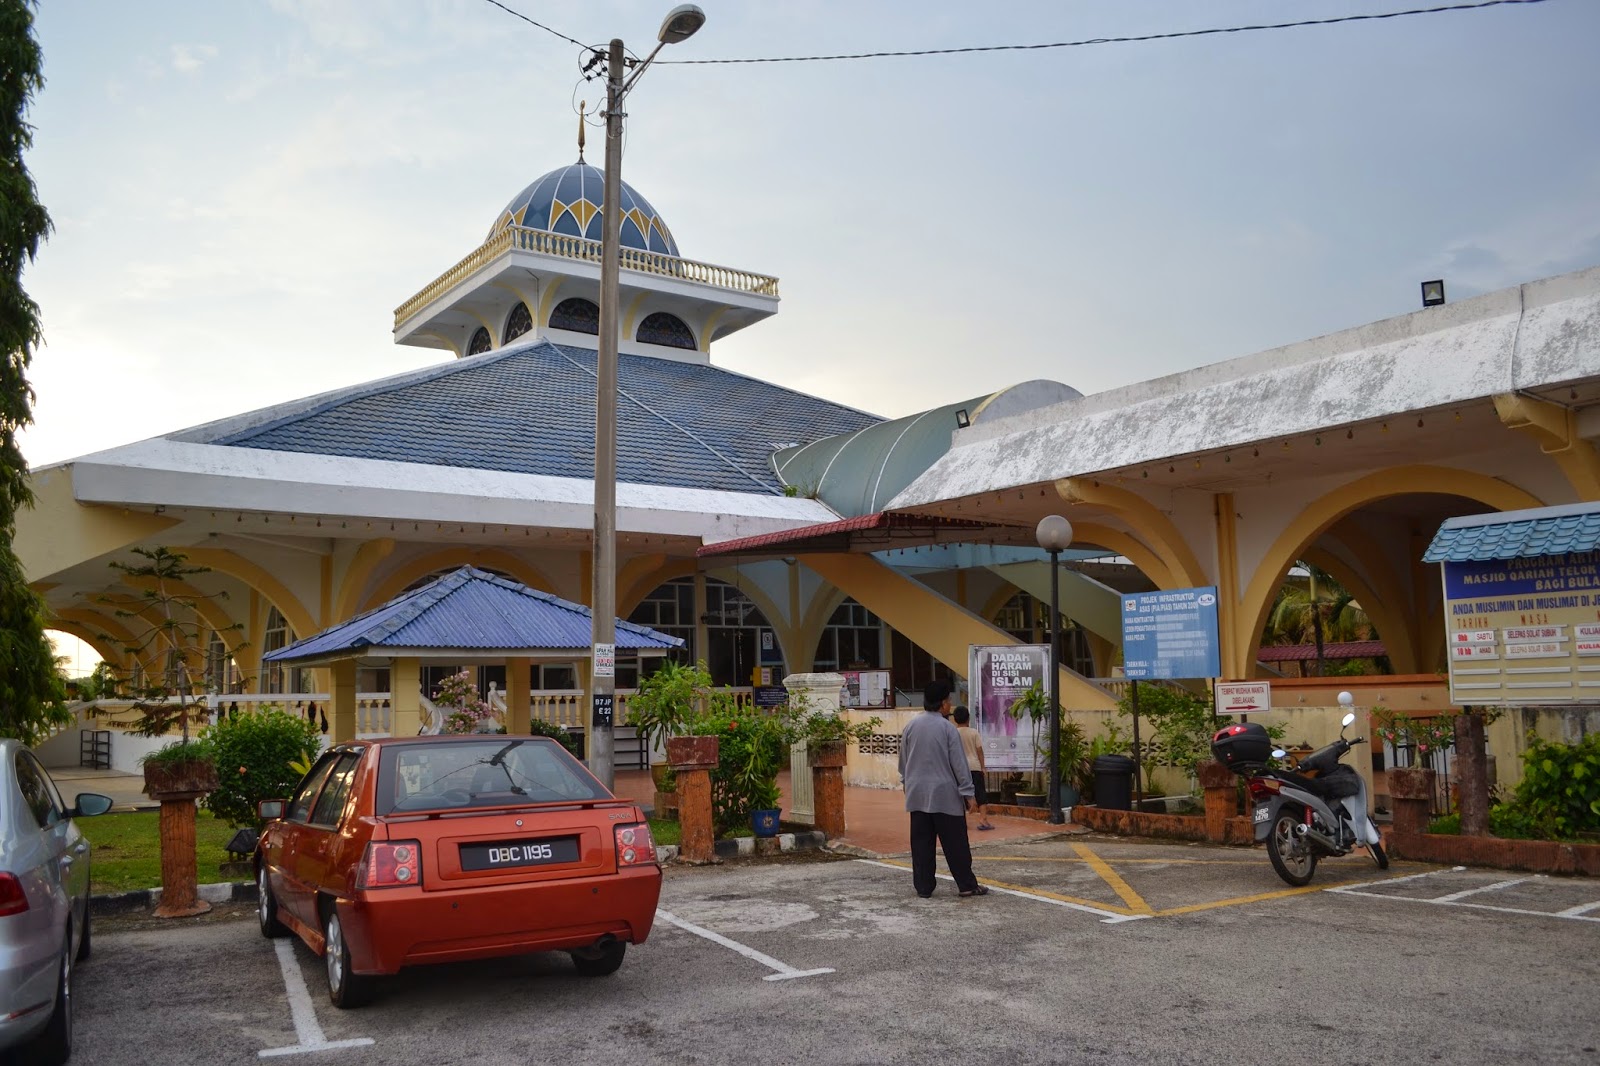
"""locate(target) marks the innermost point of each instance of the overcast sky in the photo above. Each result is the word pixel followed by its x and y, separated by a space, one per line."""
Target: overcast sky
pixel 244 191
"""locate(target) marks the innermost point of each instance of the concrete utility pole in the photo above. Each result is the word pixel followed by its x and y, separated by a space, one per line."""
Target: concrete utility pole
pixel 603 598
pixel 679 25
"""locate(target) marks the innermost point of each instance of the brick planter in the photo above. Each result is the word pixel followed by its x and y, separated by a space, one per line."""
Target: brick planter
pixel 691 753
pixel 1538 856
pixel 692 760
pixel 830 754
pixel 1411 789
pixel 1177 826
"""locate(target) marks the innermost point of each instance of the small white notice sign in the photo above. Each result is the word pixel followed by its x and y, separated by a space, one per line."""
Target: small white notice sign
pixel 605 660
pixel 1243 697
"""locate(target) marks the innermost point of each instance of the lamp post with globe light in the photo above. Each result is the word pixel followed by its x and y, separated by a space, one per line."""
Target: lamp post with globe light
pixel 1054 535
pixel 679 25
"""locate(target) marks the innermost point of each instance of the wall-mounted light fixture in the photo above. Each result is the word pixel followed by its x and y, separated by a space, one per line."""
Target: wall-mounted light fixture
pixel 1433 293
pixel 962 420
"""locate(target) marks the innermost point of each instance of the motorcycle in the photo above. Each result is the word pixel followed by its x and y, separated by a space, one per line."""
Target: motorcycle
pixel 1314 809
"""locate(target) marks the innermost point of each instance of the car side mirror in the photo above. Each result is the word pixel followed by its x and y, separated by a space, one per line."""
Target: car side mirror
pixel 91 803
pixel 269 809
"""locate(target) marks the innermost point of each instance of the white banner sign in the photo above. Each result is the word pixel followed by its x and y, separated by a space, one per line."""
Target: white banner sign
pixel 1243 697
pixel 605 660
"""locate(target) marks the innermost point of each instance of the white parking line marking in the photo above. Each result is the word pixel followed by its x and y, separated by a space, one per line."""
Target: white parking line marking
pixel 785 971
pixel 1464 893
pixel 306 1029
pixel 1579 910
pixel 1474 906
pixel 1107 917
pixel 1355 889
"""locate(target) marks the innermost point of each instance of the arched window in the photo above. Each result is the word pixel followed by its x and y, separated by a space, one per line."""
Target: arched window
pixel 480 341
pixel 276 677
pixel 1028 620
pixel 739 638
pixel 518 322
pixel 666 330
pixel 576 314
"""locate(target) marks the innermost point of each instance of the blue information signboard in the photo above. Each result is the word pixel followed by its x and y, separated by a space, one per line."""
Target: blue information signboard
pixel 1170 634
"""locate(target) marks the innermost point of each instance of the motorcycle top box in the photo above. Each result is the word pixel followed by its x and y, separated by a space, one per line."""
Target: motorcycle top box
pixel 1242 747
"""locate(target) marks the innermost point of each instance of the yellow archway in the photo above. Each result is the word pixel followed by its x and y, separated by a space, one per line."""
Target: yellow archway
pixel 1323 512
pixel 1152 526
pixel 449 559
pixel 237 566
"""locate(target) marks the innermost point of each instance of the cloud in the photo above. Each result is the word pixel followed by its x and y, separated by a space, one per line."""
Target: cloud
pixel 188 58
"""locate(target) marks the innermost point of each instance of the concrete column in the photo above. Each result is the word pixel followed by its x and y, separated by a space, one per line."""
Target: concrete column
pixel 342 690
pixel 817 692
pixel 405 685
pixel 692 760
pixel 518 695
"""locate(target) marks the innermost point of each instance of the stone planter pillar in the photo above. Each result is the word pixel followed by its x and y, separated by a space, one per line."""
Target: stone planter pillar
pixel 176 787
pixel 818 692
pixel 1411 789
pixel 1221 787
pixel 692 759
pixel 827 786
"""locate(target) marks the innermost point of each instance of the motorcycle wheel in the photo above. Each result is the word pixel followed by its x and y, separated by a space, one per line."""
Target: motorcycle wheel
pixel 1291 856
pixel 1379 856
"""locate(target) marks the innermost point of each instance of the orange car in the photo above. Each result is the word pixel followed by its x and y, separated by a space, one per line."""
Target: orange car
pixel 446 848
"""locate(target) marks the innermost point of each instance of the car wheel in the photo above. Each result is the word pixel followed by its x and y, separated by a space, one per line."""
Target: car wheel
pixel 598 962
pixel 83 941
pixel 345 988
pixel 53 1046
pixel 267 906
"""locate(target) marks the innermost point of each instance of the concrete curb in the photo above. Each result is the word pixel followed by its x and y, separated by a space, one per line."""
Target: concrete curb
pixel 145 899
pixel 743 847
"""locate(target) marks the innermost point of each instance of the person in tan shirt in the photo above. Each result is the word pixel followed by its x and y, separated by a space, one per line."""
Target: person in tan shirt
pixel 972 745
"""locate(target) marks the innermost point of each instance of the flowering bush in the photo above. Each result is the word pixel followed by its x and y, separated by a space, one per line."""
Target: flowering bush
pixel 465 711
pixel 1424 735
pixel 255 754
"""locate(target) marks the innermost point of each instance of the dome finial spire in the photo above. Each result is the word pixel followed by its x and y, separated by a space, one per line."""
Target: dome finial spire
pixel 583 106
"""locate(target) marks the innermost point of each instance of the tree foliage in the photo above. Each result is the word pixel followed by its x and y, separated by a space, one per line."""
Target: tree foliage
pixel 31 688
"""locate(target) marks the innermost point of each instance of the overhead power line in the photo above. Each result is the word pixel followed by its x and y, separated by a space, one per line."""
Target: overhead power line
pixel 1442 9
pixel 530 22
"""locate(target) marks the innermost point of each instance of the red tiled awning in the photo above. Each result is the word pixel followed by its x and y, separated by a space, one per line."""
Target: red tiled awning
pixel 1348 649
pixel 865 533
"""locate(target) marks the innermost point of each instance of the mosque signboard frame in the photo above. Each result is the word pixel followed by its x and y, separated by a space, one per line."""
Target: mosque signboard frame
pixel 1523 630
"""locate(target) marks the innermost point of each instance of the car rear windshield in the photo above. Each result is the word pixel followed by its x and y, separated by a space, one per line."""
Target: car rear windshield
pixel 493 772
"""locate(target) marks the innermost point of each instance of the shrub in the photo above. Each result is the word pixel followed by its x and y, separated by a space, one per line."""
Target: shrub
pixel 540 728
pixel 254 753
pixel 1560 791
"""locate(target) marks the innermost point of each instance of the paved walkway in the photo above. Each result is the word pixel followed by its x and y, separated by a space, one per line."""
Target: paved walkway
pixel 126 790
pixel 875 818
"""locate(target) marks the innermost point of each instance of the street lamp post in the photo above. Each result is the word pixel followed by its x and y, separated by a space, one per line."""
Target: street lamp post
pixel 1054 534
pixel 680 24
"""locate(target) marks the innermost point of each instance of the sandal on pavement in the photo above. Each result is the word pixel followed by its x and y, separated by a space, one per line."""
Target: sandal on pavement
pixel 981 890
pixel 985 825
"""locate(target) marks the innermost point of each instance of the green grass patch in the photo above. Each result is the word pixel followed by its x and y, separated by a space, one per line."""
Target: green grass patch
pixel 126 851
pixel 664 831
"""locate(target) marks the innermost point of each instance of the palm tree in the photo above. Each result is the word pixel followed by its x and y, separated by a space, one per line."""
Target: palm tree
pixel 1319 610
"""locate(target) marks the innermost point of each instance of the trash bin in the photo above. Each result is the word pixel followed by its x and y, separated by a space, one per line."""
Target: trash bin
pixel 1113 782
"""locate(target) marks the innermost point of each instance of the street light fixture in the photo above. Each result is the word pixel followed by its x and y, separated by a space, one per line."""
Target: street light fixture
pixel 679 25
pixel 1054 535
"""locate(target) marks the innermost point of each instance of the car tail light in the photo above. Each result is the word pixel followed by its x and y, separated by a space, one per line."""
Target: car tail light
pixel 13 900
pixel 635 845
pixel 391 864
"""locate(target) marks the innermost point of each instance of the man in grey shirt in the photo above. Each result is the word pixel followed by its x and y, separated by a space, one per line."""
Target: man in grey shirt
pixel 933 769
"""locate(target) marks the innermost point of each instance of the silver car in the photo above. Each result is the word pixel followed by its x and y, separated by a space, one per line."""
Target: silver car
pixel 44 905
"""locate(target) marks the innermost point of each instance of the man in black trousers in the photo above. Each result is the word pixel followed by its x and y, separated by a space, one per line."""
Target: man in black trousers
pixel 933 769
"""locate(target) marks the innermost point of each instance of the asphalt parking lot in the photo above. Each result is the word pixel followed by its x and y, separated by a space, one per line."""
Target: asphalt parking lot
pixel 1088 949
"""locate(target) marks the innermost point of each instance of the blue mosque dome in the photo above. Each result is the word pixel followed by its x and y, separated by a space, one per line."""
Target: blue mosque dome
pixel 567 200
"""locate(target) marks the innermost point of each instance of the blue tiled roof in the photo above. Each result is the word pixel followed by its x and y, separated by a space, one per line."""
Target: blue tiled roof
pixel 470 610
pixel 1517 535
pixel 530 410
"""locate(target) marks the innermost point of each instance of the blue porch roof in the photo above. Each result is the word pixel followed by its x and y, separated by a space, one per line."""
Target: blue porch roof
pixel 1517 534
pixel 470 612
